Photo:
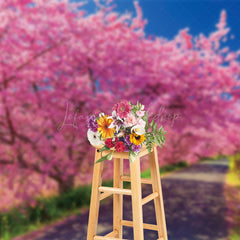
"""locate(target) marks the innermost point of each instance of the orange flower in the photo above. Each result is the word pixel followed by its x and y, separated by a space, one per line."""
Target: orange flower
pixel 104 123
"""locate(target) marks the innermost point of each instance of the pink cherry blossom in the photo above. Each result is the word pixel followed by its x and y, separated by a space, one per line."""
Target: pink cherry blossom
pixel 59 65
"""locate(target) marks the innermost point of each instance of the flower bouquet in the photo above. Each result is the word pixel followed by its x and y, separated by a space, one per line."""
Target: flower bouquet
pixel 126 130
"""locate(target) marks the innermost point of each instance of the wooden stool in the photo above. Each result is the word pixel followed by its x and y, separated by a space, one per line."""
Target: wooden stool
pixel 99 192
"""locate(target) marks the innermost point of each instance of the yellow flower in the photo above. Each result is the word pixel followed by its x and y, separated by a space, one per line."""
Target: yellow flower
pixel 104 123
pixel 137 139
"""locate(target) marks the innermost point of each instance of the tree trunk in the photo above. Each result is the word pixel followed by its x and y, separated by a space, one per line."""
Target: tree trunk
pixel 237 162
pixel 66 186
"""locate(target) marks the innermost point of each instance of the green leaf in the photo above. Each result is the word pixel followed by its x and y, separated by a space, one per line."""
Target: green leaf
pixel 106 157
pixel 104 148
pixel 149 147
pixel 145 118
pixel 160 130
pixel 157 140
pixel 155 127
pixel 150 139
pixel 132 156
pixel 151 124
pixel 109 156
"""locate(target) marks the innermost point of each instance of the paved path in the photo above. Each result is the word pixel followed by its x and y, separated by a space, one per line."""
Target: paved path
pixel 194 207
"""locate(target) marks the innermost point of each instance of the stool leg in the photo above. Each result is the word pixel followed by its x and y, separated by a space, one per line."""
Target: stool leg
pixel 158 202
pixel 95 201
pixel 136 199
pixel 117 198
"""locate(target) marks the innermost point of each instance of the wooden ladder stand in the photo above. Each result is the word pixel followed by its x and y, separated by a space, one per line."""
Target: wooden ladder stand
pixel 100 192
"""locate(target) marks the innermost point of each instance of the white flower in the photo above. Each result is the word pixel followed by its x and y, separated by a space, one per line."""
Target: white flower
pixel 117 121
pixel 138 129
pixel 112 125
pixel 101 114
pixel 113 117
pixel 114 114
pixel 94 138
pixel 120 134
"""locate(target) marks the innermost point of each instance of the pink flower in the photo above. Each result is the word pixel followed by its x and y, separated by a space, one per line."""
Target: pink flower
pixel 122 108
pixel 140 113
pixel 141 122
pixel 131 119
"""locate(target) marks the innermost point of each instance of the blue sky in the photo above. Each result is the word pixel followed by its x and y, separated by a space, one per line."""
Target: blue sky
pixel 166 17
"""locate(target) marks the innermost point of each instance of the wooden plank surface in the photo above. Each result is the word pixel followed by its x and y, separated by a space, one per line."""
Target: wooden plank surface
pixel 117 198
pixel 158 201
pixel 136 199
pixel 143 180
pixel 145 225
pixel 115 190
pixel 95 197
pixel 149 198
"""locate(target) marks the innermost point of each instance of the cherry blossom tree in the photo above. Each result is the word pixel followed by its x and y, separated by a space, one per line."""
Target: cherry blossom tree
pixel 58 65
pixel 191 81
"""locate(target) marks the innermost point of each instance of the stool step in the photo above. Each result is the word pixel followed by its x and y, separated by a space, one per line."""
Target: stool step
pixel 106 238
pixel 115 190
pixel 105 195
pixel 143 180
pixel 149 198
pixel 112 234
pixel 110 238
pixel 145 225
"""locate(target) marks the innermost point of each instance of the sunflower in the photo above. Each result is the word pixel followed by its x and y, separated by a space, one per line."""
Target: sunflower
pixel 137 139
pixel 103 127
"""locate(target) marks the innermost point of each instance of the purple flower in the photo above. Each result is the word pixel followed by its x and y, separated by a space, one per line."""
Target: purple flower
pixel 126 148
pixel 92 123
pixel 136 148
pixel 127 140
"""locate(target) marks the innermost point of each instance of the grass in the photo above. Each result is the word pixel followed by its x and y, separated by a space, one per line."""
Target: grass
pixel 232 193
pixel 48 210
pixel 25 219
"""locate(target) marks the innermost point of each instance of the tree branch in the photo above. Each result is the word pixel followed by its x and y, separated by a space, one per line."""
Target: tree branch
pixel 20 67
pixel 5 162
pixel 35 88
pixel 34 167
pixel 10 126
pixel 3 33
pixel 90 72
